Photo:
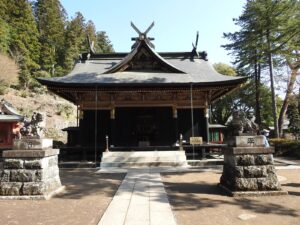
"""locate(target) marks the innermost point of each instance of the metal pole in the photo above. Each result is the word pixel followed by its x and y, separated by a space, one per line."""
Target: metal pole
pixel 192 117
pixel 206 115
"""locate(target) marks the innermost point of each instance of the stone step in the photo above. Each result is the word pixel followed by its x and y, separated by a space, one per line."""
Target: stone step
pixel 76 164
pixel 143 159
pixel 142 164
pixel 142 153
pixel 206 162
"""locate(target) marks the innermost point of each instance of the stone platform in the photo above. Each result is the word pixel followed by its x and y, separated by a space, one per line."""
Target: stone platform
pixel 249 170
pixel 29 174
pixel 143 159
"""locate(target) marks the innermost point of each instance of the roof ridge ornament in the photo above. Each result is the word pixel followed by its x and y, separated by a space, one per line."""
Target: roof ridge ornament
pixel 91 44
pixel 194 51
pixel 142 36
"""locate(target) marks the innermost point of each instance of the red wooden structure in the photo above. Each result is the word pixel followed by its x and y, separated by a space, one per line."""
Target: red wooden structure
pixel 9 124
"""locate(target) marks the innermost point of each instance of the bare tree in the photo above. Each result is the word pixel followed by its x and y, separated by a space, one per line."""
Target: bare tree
pixel 9 71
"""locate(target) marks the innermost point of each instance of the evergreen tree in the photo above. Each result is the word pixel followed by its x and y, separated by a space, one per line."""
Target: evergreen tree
pixel 43 43
pixel 51 17
pixel 294 116
pixel 3 9
pixel 103 44
pixel 291 54
pixel 75 40
pixel 242 99
pixel 24 45
pixel 91 35
pixel 266 28
pixel 4 27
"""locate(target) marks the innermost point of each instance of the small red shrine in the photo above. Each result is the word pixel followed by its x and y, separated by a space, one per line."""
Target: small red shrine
pixel 9 124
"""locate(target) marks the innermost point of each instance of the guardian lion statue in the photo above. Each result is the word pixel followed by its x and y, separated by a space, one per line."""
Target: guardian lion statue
pixel 33 128
pixel 240 124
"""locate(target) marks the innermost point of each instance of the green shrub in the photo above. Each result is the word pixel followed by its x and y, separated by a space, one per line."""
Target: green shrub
pixel 35 86
pixel 25 111
pixel 64 110
pixel 24 93
pixel 3 88
pixel 284 147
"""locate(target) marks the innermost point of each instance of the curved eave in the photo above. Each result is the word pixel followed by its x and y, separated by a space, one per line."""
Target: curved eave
pixel 10 118
pixel 69 90
pixel 144 84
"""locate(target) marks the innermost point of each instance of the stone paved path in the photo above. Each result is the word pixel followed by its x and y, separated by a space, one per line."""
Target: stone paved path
pixel 140 199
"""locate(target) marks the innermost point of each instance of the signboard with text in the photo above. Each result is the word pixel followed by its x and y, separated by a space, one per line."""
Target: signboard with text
pixel 196 140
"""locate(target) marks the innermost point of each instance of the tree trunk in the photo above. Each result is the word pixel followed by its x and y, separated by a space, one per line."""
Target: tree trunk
pixel 299 101
pixel 290 87
pixel 257 93
pixel 274 107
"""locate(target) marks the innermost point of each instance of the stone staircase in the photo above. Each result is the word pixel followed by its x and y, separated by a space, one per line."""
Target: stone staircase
pixel 143 159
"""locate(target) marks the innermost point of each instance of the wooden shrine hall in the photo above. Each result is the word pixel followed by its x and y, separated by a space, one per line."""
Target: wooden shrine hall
pixel 141 99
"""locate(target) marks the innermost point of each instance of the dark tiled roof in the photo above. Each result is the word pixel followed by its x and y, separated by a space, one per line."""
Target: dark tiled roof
pixel 103 70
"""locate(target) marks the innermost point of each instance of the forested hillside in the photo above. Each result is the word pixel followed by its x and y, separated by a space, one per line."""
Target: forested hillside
pixel 37 39
pixel 42 41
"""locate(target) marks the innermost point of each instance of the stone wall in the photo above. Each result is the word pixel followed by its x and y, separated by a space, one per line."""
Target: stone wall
pixel 249 169
pixel 29 172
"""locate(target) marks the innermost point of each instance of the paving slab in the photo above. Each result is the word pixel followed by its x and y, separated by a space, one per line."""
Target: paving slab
pixel 140 199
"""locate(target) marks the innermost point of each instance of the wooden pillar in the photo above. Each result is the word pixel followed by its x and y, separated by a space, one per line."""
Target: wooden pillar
pixel 112 137
pixel 175 122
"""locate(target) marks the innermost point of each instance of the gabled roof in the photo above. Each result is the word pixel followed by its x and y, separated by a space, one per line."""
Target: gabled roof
pixel 173 69
pixel 143 67
pixel 8 113
pixel 143 52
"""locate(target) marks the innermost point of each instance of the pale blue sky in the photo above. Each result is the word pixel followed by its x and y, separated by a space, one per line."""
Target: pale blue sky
pixel 176 22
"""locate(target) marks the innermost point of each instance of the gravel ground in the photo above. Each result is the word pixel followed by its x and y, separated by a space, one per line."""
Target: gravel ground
pixel 84 201
pixel 196 199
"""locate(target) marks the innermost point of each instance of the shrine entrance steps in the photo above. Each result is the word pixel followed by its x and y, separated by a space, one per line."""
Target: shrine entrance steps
pixel 143 159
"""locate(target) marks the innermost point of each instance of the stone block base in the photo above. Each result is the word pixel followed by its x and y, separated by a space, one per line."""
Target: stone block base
pixel 252 193
pixel 29 173
pixel 45 196
pixel 246 141
pixel 249 170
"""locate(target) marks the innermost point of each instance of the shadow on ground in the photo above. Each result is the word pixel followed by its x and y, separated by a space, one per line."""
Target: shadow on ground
pixel 80 183
pixel 199 191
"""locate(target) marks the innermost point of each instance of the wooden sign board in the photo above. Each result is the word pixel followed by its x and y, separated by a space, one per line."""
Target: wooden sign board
pixel 196 140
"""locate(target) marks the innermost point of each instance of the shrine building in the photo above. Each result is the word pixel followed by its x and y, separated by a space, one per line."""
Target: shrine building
pixel 141 99
pixel 9 125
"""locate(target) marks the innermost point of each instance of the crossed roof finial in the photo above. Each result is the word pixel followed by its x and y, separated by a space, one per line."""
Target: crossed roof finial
pixel 142 35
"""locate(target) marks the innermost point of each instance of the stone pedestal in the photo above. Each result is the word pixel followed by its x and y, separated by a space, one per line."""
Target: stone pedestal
pixel 249 168
pixel 29 174
pixel 32 144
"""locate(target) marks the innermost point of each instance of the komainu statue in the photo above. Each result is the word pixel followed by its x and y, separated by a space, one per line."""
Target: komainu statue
pixel 241 125
pixel 33 128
